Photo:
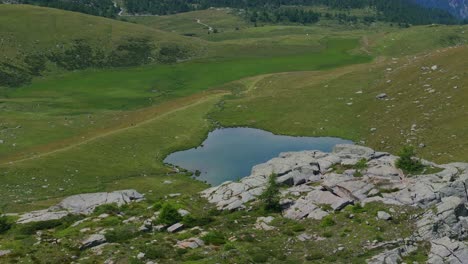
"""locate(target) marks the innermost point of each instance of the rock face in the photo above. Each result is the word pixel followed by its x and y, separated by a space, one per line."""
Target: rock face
pixel 319 183
pixel 81 204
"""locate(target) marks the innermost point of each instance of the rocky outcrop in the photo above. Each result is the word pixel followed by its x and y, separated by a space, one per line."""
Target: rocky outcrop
pixel 446 250
pixel 318 183
pixel 92 241
pixel 81 204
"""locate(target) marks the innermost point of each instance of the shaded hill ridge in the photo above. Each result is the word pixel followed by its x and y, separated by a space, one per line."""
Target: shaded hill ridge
pixel 458 8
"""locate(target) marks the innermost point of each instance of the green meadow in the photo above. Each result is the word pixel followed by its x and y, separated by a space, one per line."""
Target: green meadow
pixel 78 95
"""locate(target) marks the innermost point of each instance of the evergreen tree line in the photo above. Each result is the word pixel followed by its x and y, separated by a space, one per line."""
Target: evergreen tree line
pixel 82 55
pixel 396 11
pixel 293 15
pixel 104 8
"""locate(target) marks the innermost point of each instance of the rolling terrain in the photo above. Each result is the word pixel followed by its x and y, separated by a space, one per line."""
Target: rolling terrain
pixel 109 127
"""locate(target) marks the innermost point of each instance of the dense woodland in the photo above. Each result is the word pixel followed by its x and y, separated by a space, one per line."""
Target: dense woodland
pixel 396 11
pixel 271 11
pixel 105 8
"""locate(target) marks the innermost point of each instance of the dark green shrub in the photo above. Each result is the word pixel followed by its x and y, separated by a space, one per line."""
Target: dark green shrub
pixel 259 256
pixel 112 208
pixel 191 221
pixel 171 53
pixel 157 205
pixel 156 251
pixel 407 162
pixel 297 228
pixel 169 215
pixel 327 221
pixel 270 197
pixel 357 208
pixel 5 225
pixel 229 246
pixel 361 164
pixel 315 256
pixel 194 257
pixel 120 234
pixel 214 238
pixel 32 228
pixel 36 63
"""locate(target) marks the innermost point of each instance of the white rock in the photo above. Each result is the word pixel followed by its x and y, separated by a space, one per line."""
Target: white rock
pixel 140 256
pixel 175 228
pixel 383 215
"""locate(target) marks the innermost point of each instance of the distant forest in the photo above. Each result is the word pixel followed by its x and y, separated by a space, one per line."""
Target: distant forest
pixel 272 11
pixel 104 8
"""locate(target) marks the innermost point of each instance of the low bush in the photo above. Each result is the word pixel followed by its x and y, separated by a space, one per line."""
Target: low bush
pixel 214 238
pixel 407 162
pixel 157 251
pixel 259 256
pixel 120 234
pixel 169 215
pixel 5 225
pixel 361 164
pixel 327 221
pixel 112 208
pixel 32 228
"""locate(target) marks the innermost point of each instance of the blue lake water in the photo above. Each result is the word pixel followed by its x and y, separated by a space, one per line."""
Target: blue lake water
pixel 229 154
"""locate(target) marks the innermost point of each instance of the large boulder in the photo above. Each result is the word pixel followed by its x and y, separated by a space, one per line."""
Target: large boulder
pixel 86 203
pixel 80 204
pixel 41 215
pixel 92 241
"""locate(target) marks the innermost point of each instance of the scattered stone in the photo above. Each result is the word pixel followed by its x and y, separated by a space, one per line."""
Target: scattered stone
pixel 383 215
pixel 84 230
pixel 304 237
pixel 183 212
pixel 262 223
pixel 4 252
pixel 172 195
pixel 102 216
pixel 381 96
pixel 140 256
pixel 175 228
pixel 192 243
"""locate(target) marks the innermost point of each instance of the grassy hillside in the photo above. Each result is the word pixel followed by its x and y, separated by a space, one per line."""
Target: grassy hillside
pixel 28 28
pixel 343 103
pixel 222 19
pixel 37 41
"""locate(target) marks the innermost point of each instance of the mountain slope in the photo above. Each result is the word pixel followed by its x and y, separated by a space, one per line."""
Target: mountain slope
pixel 458 8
